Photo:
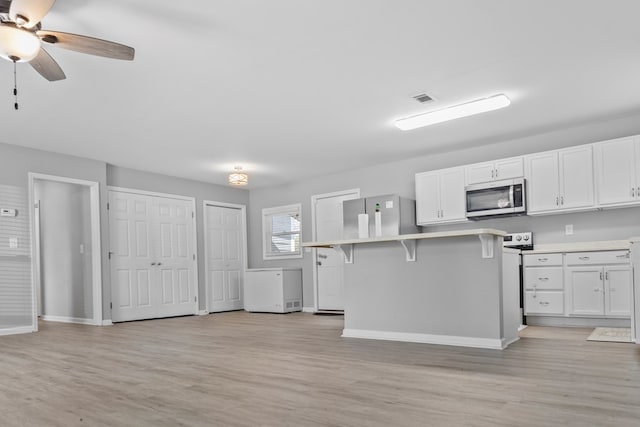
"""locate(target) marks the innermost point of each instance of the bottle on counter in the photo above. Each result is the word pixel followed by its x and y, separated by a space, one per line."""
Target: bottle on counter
pixel 378 221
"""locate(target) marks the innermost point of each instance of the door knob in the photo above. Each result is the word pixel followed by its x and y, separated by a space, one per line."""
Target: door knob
pixel 318 263
pixel 159 263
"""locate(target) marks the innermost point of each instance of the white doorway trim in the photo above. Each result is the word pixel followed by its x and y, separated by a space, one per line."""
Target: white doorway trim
pixel 314 199
pixel 193 224
pixel 243 212
pixel 96 248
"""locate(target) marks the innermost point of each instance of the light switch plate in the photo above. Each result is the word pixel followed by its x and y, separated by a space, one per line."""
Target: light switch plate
pixel 568 229
pixel 13 243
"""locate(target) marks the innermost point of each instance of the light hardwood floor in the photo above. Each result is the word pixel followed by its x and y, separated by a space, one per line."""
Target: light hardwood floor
pixel 242 369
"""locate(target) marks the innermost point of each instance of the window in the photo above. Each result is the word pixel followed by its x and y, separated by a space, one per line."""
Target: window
pixel 282 232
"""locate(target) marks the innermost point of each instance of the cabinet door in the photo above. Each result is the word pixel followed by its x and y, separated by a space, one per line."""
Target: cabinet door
pixel 617 296
pixel 543 182
pixel 509 168
pixel 480 172
pixel 427 198
pixel 576 178
pixel 586 285
pixel 452 197
pixel 615 171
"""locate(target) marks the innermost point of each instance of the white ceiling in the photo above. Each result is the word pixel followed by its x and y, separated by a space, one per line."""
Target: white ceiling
pixel 298 88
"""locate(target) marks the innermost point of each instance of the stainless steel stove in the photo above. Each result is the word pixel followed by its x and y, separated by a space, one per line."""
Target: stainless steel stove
pixel 522 240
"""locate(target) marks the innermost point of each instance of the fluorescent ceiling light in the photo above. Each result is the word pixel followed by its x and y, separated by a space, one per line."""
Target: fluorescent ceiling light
pixel 457 111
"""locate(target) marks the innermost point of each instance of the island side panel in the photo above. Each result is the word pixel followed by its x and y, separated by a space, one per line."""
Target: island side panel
pixel 449 291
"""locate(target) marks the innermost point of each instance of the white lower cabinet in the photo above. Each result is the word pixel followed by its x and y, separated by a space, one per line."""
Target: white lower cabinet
pixel 599 290
pixel 578 284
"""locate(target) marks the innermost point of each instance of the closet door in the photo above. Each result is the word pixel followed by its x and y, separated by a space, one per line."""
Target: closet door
pixel 132 260
pixel 152 256
pixel 176 293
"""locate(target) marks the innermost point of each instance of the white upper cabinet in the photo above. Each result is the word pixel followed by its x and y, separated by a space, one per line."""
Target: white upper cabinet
pixel 492 171
pixel 617 172
pixel 560 180
pixel 440 196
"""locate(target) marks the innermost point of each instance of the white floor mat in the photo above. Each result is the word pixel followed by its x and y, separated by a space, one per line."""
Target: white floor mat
pixel 611 335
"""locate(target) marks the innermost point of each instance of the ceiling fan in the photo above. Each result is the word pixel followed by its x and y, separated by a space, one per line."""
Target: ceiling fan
pixel 22 38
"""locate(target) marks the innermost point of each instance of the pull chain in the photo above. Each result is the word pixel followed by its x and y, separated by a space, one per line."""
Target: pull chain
pixel 15 85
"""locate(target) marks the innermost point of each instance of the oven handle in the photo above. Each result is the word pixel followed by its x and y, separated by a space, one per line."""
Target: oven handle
pixel 511 196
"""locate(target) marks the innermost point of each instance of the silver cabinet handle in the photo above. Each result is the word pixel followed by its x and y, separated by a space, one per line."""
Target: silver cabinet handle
pixel 606 275
pixel 596 289
pixel 159 263
pixel 543 279
pixel 153 263
pixel 543 302
pixel 492 173
pixel 633 192
pixel 557 201
pixel 562 200
pixel 622 256
pixel 601 275
pixel 638 191
pixel 583 258
pixel 543 259
pixel 496 173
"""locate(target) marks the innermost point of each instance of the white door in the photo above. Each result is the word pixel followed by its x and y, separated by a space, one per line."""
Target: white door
pixel 329 262
pixel 618 281
pixel 453 205
pixel 427 198
pixel 615 171
pixel 151 255
pixel 577 188
pixel 587 290
pixel 543 182
pixel 174 256
pixel 224 236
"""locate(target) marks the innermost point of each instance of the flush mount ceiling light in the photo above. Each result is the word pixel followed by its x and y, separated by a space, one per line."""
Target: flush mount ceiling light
pixel 239 177
pixel 457 111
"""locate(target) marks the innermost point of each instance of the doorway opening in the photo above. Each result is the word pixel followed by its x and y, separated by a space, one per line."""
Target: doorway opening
pixel 67 268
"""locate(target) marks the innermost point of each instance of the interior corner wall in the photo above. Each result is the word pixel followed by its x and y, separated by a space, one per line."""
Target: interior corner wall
pixel 16 163
pixel 399 178
pixel 147 181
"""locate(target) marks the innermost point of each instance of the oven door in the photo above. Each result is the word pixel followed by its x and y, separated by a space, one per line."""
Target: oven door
pixel 497 198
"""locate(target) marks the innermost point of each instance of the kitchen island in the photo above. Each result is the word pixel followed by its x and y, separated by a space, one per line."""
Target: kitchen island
pixel 452 288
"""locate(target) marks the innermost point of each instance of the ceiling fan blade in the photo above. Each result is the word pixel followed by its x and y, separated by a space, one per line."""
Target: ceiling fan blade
pixel 27 13
pixel 89 45
pixel 48 68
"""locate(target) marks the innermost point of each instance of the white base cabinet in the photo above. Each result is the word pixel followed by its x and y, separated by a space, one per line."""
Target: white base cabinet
pixel 578 284
pixel 273 290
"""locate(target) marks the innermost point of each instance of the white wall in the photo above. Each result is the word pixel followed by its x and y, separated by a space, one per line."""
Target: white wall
pixel 399 177
pixel 65 249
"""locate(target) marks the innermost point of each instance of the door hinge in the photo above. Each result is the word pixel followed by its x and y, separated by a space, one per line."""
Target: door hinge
pixel 110 253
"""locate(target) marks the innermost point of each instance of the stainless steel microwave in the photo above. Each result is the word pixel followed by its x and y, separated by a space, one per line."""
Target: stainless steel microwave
pixel 496 198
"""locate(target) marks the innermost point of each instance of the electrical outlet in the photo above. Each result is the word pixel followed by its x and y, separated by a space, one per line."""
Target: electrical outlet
pixel 568 229
pixel 13 243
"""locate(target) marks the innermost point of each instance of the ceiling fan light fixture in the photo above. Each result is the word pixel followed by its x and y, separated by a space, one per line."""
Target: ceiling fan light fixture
pixel 18 43
pixel 239 177
pixel 457 111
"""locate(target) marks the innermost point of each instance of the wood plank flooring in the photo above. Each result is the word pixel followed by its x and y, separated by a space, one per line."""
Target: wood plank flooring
pixel 242 369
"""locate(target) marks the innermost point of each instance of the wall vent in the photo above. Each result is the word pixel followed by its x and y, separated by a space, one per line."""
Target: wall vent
pixel 422 98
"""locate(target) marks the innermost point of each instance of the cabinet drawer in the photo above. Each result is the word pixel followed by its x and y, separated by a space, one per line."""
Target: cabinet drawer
pixel 607 257
pixel 543 278
pixel 536 302
pixel 542 259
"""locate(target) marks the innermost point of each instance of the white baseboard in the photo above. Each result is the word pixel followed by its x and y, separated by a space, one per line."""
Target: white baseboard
pixel 64 319
pixel 107 322
pixel 202 312
pixel 577 322
pixel 495 344
pixel 521 327
pixel 308 310
pixel 17 330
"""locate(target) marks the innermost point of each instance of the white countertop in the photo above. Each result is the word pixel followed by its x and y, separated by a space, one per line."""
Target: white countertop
pixel 603 245
pixel 416 236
